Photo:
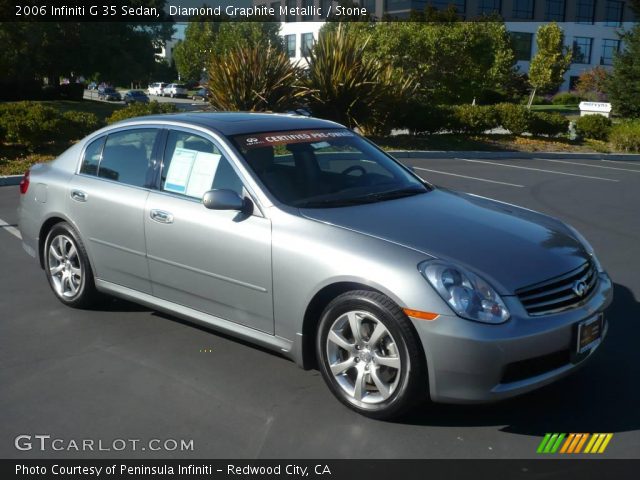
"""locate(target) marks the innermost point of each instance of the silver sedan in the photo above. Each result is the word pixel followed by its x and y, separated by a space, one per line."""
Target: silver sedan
pixel 301 236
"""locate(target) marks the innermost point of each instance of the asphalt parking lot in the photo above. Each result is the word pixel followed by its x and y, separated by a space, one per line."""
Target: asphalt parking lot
pixel 125 372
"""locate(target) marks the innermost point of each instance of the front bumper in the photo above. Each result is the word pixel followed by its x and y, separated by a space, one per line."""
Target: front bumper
pixel 470 362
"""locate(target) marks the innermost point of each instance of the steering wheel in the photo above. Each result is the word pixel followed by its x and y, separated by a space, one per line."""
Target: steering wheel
pixel 354 168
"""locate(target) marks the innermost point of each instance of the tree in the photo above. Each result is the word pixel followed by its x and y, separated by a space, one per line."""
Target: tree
pixel 624 83
pixel 350 87
pixel 592 84
pixel 452 61
pixel 121 52
pixel 192 54
pixel 205 37
pixel 550 62
pixel 256 77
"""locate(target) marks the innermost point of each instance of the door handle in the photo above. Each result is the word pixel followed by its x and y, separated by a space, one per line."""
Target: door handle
pixel 79 195
pixel 161 216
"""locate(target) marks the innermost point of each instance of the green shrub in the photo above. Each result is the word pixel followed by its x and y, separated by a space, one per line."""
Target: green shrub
pixel 551 124
pixel 566 98
pixel 79 124
pixel 140 110
pixel 625 136
pixel 474 119
pixel 515 118
pixel 424 118
pixel 29 123
pixel 596 127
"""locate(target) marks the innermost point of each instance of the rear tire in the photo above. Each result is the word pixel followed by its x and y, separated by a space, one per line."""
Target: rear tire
pixel 369 355
pixel 67 267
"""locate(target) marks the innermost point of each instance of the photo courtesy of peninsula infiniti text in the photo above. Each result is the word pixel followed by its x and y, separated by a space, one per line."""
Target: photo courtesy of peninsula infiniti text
pixel 301 236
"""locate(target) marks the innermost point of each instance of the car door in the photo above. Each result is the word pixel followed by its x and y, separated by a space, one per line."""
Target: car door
pixel 106 202
pixel 217 262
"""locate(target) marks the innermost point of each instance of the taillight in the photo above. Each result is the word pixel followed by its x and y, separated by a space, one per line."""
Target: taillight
pixel 24 183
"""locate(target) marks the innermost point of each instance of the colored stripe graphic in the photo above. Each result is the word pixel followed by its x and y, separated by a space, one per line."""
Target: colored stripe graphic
pixel 572 443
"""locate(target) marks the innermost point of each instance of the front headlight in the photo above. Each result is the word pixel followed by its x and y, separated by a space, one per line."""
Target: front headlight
pixel 587 246
pixel 466 293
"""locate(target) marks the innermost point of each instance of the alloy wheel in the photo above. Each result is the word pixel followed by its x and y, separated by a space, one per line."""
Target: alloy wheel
pixel 64 265
pixel 363 358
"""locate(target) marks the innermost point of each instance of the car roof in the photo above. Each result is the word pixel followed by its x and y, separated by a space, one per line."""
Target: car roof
pixel 237 123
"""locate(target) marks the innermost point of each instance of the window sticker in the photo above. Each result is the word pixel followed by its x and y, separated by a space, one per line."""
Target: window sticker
pixel 204 169
pixel 191 172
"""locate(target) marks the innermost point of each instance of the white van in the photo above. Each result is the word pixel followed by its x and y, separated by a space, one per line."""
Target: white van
pixel 156 88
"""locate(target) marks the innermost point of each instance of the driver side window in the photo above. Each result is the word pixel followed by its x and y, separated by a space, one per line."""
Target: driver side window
pixel 193 165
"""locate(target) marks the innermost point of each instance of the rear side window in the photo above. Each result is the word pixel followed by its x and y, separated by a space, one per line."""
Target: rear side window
pixel 126 156
pixel 193 165
pixel 92 155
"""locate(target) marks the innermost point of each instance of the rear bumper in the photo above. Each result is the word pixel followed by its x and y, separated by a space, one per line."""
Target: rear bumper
pixel 470 362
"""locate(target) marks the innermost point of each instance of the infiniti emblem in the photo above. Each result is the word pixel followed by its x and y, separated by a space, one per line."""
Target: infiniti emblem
pixel 580 288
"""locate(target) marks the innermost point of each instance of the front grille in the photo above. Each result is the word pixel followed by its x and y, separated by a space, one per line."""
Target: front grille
pixel 558 293
pixel 532 367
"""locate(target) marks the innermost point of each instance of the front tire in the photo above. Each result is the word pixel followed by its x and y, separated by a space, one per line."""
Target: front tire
pixel 369 355
pixel 67 267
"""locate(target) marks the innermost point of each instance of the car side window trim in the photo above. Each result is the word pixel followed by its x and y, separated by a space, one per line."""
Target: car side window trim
pixel 157 186
pixel 104 137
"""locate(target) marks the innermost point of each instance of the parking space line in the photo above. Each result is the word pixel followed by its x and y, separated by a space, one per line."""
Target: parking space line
pixel 538 170
pixel 7 227
pixel 627 163
pixel 587 165
pixel 472 178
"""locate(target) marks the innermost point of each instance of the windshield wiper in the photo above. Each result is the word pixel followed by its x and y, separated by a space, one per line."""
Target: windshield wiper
pixel 368 198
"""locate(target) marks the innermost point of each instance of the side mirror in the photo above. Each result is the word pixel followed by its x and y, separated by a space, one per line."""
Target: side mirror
pixel 223 200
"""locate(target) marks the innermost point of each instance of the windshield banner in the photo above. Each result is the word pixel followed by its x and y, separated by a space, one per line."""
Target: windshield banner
pixel 273 139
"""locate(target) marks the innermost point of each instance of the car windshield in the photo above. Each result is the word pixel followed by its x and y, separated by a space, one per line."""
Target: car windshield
pixel 136 93
pixel 325 168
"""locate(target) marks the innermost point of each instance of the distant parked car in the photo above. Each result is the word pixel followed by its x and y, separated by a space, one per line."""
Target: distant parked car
pixel 175 90
pixel 156 88
pixel 109 94
pixel 201 94
pixel 135 96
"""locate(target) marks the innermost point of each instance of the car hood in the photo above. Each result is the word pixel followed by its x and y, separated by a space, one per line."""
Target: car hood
pixel 509 246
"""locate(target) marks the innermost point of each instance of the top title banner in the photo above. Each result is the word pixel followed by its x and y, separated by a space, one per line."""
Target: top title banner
pixel 158 11
pixel 148 11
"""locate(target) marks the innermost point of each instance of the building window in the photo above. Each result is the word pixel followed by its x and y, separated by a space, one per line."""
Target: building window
pixel 523 8
pixel 324 5
pixel 460 5
pixel 582 49
pixel 306 44
pixel 585 11
pixel 554 10
pixel 370 5
pixel 276 10
pixel 290 43
pixel 522 42
pixel 291 8
pixel 308 5
pixel 613 13
pixel 609 50
pixel 488 7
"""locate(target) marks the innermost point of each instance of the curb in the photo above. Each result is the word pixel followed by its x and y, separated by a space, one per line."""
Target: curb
pixel 10 180
pixel 512 155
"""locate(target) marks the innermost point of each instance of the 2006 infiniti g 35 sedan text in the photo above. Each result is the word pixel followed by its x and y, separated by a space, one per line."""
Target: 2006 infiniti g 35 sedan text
pixel 301 236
